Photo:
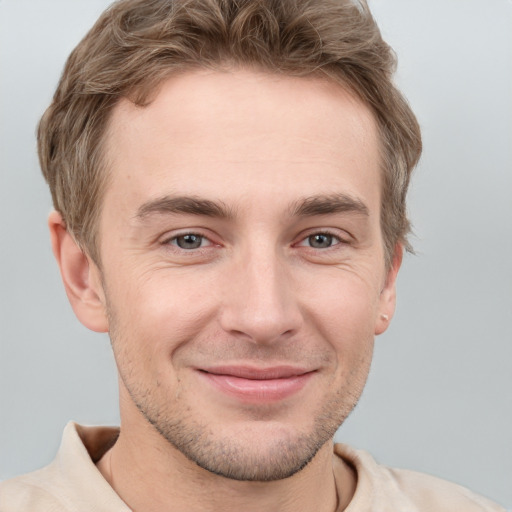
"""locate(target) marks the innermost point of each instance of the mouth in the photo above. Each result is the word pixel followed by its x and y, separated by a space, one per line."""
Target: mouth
pixel 250 384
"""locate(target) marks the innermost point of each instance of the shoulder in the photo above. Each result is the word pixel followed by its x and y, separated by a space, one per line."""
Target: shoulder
pixel 435 494
pixel 71 482
pixel 399 490
pixel 29 493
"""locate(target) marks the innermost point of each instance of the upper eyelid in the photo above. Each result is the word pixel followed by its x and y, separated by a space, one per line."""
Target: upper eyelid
pixel 339 240
pixel 167 237
pixel 340 234
pixel 172 241
pixel 170 245
pixel 189 234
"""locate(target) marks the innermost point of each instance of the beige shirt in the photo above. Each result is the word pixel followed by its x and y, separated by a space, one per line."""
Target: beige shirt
pixel 72 483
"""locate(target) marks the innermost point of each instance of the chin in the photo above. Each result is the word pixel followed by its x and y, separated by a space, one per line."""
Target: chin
pixel 256 451
pixel 272 455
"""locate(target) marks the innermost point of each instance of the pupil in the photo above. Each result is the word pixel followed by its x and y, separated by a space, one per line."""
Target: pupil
pixel 320 241
pixel 189 241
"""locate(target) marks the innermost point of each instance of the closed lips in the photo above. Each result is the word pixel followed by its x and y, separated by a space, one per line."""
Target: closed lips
pixel 258 384
pixel 243 372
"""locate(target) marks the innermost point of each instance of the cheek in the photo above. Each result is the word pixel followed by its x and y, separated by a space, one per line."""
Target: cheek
pixel 347 303
pixel 344 316
pixel 156 312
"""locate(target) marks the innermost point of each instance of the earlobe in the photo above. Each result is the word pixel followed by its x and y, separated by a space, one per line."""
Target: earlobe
pixel 387 299
pixel 80 275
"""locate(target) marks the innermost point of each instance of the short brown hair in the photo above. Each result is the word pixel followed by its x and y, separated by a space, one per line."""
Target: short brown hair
pixel 136 44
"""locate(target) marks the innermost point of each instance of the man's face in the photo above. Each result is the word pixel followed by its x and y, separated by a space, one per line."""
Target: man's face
pixel 242 265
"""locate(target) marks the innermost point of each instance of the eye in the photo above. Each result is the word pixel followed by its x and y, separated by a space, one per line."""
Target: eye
pixel 320 241
pixel 189 241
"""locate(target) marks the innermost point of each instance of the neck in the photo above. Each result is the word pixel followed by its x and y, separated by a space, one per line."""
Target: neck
pixel 150 475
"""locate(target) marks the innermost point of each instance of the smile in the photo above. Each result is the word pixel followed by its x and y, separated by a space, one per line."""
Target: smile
pixel 257 385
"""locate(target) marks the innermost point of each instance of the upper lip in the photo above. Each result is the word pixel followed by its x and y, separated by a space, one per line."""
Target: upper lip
pixel 251 372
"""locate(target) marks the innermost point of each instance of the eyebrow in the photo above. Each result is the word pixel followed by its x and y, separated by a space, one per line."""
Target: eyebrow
pixel 306 207
pixel 328 204
pixel 183 204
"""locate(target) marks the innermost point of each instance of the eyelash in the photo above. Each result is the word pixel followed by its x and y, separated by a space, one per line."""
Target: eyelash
pixel 174 241
pixel 335 240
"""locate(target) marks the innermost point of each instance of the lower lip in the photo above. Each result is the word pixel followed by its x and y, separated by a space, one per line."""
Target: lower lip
pixel 265 390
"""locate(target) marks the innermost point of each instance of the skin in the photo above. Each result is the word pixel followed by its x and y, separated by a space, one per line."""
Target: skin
pixel 240 227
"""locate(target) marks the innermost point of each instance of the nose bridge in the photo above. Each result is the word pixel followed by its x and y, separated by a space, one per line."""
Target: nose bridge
pixel 260 303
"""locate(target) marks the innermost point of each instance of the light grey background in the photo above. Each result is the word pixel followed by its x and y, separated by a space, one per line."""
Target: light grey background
pixel 439 395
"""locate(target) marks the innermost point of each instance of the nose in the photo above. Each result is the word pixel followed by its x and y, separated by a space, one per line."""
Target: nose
pixel 260 299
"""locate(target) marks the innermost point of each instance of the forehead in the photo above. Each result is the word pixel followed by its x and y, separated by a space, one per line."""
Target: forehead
pixel 207 129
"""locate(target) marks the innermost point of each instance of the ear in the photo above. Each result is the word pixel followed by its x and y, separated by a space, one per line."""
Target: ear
pixel 80 275
pixel 387 300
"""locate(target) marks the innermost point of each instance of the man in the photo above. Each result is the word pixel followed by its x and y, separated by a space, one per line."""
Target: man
pixel 229 182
